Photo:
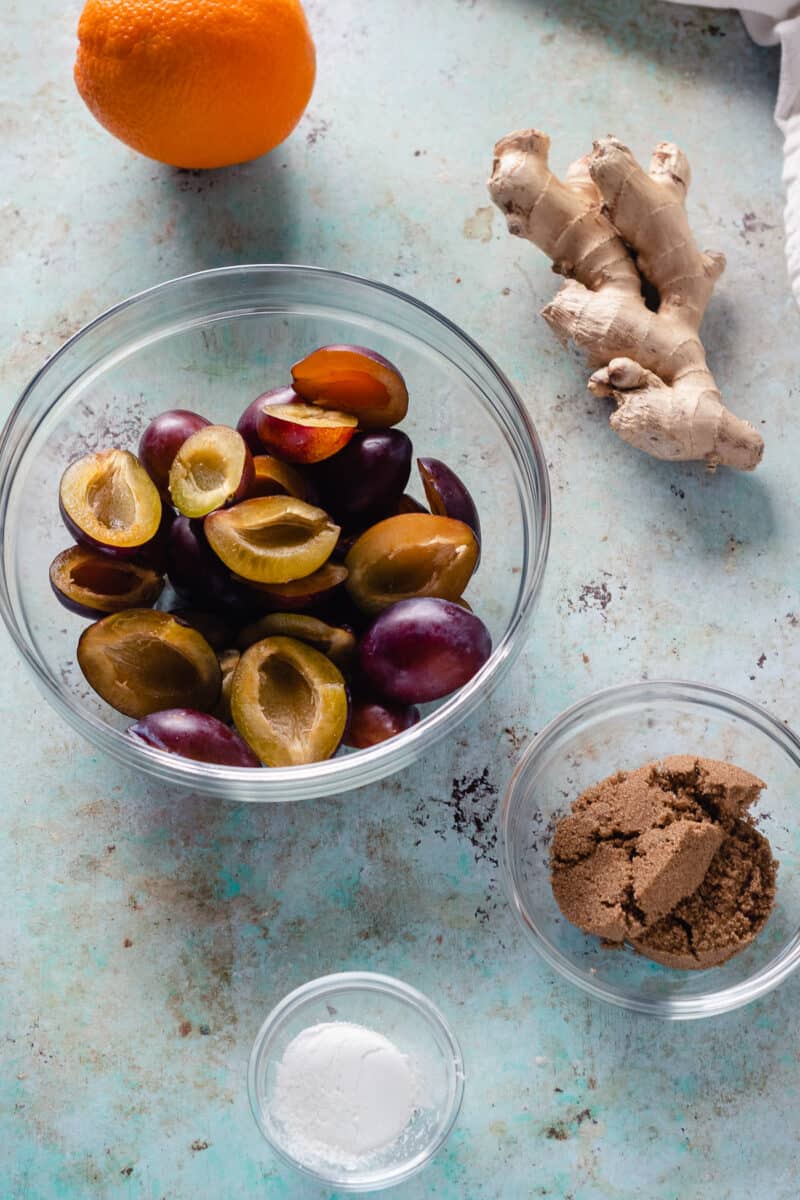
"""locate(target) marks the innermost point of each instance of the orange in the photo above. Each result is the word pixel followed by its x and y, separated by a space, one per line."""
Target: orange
pixel 196 83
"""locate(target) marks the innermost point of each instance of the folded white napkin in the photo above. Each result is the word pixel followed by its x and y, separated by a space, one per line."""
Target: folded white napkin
pixel 772 23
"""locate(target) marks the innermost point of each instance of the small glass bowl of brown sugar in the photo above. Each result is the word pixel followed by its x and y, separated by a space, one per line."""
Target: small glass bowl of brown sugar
pixel 622 729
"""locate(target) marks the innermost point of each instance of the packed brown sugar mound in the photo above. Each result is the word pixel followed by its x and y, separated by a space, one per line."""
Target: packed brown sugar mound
pixel 667 858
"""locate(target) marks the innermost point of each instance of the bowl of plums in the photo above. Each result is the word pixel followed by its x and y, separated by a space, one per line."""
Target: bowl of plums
pixel 270 532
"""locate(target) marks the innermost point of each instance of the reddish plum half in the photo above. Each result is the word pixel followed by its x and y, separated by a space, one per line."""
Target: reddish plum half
pixel 374 721
pixel 161 441
pixel 367 477
pixel 301 433
pixel 422 649
pixel 247 424
pixel 193 734
pixel 212 469
pixel 88 582
pixel 109 502
pixel 356 380
pixel 447 495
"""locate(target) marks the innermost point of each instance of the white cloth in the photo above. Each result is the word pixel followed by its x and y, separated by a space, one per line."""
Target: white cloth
pixel 772 23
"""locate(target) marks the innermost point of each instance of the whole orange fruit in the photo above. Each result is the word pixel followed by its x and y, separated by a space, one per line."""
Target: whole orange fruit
pixel 196 83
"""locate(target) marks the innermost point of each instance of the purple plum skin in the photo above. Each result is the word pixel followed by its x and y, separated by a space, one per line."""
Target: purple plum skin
pixel 374 721
pixel 193 734
pixel 161 441
pixel 199 578
pixel 367 477
pixel 248 422
pixel 447 495
pixel 422 649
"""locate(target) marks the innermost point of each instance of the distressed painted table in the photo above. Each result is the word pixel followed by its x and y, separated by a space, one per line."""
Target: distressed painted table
pixel 144 934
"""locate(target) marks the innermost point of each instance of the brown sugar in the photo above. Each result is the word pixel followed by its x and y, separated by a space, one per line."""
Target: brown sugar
pixel 667 858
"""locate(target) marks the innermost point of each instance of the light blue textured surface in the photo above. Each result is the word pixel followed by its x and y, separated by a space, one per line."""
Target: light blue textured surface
pixel 145 935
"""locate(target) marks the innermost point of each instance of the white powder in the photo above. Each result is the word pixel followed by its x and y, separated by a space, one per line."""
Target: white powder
pixel 342 1091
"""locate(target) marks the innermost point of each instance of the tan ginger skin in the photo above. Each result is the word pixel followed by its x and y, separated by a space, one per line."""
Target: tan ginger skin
pixel 606 227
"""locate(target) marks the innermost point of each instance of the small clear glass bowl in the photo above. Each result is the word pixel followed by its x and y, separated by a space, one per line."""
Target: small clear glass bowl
pixel 626 727
pixel 214 341
pixel 416 1027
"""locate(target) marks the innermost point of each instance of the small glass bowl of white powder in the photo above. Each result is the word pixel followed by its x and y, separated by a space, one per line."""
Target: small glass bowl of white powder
pixel 356 1079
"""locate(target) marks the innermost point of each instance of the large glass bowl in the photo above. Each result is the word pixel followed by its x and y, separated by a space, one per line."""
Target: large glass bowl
pixel 212 342
pixel 625 727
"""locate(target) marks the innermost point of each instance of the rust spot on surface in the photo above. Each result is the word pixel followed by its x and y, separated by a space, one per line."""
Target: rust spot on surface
pixel 185 1028
pixel 198 1145
pixel 127 943
pixel 127 1172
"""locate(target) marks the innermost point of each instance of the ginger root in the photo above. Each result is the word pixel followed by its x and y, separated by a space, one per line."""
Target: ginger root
pixel 619 235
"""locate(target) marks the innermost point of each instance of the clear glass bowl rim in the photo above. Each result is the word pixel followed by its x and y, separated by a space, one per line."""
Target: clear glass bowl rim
pixel 372 981
pixel 280 784
pixel 627 695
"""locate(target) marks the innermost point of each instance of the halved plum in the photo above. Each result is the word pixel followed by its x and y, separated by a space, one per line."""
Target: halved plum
pixel 356 380
pixel 88 582
pixel 247 424
pixel 336 644
pixel 422 649
pixel 367 477
pixel 161 441
pixel 273 539
pixel 142 660
pixel 289 702
pixel 447 495
pixel 416 554
pixel 374 721
pixel 212 468
pixel 302 594
pixel 302 433
pixel 109 502
pixel 193 734
pixel 198 576
pixel 271 477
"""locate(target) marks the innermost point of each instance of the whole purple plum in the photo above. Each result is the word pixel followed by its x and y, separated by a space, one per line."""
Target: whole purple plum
pixel 422 649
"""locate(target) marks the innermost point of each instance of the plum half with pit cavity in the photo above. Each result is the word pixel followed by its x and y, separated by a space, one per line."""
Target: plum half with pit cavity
pixel 367 477
pixel 447 495
pixel 193 734
pixel 88 582
pixel 415 554
pixel 109 502
pixel 274 539
pixel 422 649
pixel 161 441
pixel 356 380
pixel 289 702
pixel 141 660
pixel 336 644
pixel 302 433
pixel 212 468
pixel 375 721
